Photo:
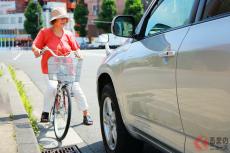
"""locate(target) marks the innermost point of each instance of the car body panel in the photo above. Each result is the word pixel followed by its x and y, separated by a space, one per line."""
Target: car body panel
pixel 111 65
pixel 203 81
pixel 148 87
pixel 181 100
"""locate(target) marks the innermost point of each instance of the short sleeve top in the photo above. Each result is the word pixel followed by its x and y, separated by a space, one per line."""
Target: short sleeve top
pixel 60 45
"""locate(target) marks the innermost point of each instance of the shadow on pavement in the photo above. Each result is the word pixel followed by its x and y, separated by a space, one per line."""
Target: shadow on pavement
pixel 21 116
pixel 48 141
pixel 97 147
pixel 150 149
pixel 147 148
pixel 76 125
pixel 4 119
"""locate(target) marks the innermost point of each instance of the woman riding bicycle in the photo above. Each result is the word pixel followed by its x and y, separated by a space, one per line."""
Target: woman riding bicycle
pixel 62 42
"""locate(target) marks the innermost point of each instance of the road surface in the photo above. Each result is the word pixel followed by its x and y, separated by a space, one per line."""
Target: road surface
pixel 91 135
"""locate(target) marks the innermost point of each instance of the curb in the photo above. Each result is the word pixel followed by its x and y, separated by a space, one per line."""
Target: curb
pixel 25 137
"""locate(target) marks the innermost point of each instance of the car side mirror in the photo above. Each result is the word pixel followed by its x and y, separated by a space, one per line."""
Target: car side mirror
pixel 123 26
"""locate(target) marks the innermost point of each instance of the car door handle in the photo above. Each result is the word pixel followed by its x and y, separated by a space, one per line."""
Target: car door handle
pixel 167 54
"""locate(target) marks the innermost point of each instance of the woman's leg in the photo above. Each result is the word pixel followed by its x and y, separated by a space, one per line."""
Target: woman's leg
pixel 80 97
pixel 49 96
pixel 82 103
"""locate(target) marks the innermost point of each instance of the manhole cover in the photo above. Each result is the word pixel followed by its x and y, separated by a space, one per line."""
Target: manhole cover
pixel 70 149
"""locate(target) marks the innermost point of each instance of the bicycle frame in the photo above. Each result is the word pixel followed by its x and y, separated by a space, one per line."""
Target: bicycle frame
pixel 61 85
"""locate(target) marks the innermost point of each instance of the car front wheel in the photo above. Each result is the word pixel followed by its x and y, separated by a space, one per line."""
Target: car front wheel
pixel 115 136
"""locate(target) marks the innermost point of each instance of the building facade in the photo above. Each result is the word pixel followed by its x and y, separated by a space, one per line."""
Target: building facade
pixel 12 32
pixel 12 17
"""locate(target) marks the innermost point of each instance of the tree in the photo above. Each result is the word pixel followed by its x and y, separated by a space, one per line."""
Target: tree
pixel 134 8
pixel 81 17
pixel 33 15
pixel 108 11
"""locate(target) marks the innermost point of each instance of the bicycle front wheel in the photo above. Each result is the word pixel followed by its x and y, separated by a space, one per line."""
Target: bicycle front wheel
pixel 62 113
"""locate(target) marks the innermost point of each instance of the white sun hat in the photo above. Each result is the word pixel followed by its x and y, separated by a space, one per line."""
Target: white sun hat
pixel 58 13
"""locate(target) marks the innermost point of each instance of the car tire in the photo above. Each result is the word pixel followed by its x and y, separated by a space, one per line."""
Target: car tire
pixel 124 143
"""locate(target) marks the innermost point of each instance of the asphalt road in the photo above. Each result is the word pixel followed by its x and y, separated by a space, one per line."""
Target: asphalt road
pixel 91 135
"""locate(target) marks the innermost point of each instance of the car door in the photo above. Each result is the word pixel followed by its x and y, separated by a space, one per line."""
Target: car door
pixel 203 80
pixel 148 72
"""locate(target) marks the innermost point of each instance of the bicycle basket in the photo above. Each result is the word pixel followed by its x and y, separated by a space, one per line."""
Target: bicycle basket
pixel 64 69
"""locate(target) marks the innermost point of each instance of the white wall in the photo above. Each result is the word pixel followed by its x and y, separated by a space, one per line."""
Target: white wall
pixel 16 21
pixel 12 21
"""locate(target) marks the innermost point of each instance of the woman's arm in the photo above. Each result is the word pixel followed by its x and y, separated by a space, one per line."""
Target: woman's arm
pixel 38 43
pixel 36 51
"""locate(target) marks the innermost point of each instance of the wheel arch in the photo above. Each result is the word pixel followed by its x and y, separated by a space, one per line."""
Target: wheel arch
pixel 103 79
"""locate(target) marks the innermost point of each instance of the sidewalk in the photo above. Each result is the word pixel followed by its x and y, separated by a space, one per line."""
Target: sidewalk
pixel 7 131
pixel 16 133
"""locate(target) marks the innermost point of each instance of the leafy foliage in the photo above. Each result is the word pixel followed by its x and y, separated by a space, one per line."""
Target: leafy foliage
pixel 81 17
pixel 134 8
pixel 33 15
pixel 108 11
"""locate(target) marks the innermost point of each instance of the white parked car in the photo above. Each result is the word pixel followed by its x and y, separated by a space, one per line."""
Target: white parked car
pixel 114 41
pixel 95 44
pixel 83 42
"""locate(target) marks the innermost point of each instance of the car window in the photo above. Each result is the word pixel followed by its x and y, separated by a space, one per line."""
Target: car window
pixel 216 7
pixel 169 14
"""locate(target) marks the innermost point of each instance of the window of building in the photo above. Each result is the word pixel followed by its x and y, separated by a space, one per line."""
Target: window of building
pixel 4 20
pixel 20 20
pixel 13 20
pixel 216 7
pixel 95 10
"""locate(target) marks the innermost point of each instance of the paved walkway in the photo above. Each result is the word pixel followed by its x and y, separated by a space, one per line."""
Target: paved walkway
pixel 7 132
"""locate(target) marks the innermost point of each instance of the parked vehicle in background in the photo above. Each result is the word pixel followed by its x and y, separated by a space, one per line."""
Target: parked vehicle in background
pixel 170 86
pixel 114 41
pixel 83 42
pixel 95 44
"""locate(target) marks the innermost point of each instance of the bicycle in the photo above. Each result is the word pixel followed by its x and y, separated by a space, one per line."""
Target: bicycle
pixel 65 70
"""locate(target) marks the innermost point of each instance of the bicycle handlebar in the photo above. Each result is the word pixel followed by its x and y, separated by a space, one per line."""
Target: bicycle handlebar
pixel 46 48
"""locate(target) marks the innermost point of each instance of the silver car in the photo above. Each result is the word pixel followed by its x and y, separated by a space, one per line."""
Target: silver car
pixel 170 84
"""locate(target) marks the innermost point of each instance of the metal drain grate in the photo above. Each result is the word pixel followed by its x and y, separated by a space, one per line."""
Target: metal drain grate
pixel 70 149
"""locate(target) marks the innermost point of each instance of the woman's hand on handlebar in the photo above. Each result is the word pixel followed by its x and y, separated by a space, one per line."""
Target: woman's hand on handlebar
pixel 37 54
pixel 36 51
pixel 79 54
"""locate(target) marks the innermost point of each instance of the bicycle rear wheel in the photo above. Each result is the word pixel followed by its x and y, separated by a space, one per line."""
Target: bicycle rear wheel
pixel 62 113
